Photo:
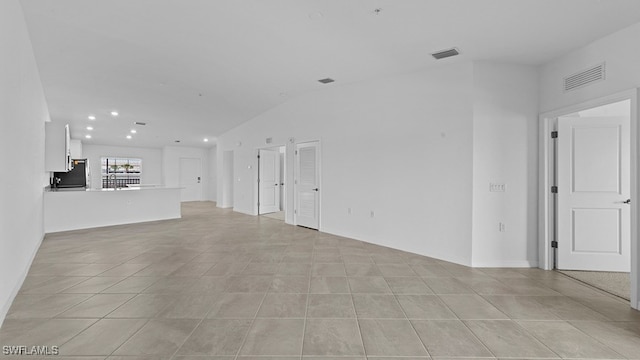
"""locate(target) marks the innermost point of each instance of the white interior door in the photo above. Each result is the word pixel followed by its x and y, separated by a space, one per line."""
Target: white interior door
pixel 593 184
pixel 190 179
pixel 269 181
pixel 307 185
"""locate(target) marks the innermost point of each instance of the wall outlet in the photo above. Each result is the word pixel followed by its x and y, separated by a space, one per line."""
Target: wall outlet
pixel 372 213
pixel 502 227
pixel 497 187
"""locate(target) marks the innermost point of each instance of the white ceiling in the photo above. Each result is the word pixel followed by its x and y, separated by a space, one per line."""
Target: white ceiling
pixel 196 68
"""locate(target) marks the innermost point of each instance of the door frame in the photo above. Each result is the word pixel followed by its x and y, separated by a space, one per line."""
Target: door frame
pixel 295 180
pixel 256 183
pixel 546 201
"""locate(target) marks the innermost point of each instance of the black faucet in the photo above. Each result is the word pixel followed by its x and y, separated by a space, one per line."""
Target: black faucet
pixel 55 181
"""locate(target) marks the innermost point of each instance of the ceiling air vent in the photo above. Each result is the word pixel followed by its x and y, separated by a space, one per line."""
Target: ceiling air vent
pixel 585 77
pixel 139 123
pixel 445 53
pixel 326 81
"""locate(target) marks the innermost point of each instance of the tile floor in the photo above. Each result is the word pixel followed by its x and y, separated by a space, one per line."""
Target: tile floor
pixel 221 285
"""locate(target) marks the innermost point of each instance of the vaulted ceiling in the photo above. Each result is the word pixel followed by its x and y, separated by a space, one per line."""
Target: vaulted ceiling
pixel 193 69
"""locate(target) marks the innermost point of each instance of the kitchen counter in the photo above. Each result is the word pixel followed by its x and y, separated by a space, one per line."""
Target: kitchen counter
pixel 128 188
pixel 79 208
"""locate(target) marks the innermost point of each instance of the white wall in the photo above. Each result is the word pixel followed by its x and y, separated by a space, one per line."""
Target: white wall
pixel 399 146
pixel 226 178
pixel 505 143
pixel 171 165
pixel 23 111
pixel 622 56
pixel 151 161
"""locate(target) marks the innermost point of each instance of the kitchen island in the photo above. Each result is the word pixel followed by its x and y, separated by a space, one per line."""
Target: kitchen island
pixel 74 209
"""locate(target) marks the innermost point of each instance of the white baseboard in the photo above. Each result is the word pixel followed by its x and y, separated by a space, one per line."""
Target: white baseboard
pixel 458 261
pixel 244 212
pixel 5 307
pixel 506 264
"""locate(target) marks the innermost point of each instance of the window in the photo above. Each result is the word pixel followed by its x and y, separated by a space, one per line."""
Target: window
pixel 120 172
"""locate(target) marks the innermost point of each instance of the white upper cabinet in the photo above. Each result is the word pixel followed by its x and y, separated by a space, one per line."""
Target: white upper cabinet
pixel 57 147
pixel 76 149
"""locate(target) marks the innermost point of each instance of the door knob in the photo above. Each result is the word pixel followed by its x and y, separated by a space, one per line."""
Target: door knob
pixel 316 189
pixel 628 201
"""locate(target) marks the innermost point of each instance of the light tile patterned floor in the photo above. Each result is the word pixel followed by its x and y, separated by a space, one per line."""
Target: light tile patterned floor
pixel 221 285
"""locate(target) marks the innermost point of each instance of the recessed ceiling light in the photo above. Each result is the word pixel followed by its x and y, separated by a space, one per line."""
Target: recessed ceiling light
pixel 114 113
pixel 88 136
pixel 128 136
pixel 89 128
pixel 133 131
pixel 326 80
pixel 206 140
pixel 91 117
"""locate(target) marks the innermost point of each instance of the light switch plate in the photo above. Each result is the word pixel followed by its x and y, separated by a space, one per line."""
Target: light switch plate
pixel 497 187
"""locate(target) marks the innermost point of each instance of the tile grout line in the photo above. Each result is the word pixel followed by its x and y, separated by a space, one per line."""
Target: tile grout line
pixel 306 308
pixel 129 338
pixel 570 324
pixel 464 322
pixel 353 304
pixel 465 325
pixel 145 323
pixel 260 241
pixel 191 333
pixel 255 316
pixel 592 287
pixel 395 296
pixel 103 318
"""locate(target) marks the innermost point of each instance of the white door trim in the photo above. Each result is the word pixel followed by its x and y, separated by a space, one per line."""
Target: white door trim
pixel 546 177
pixel 256 174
